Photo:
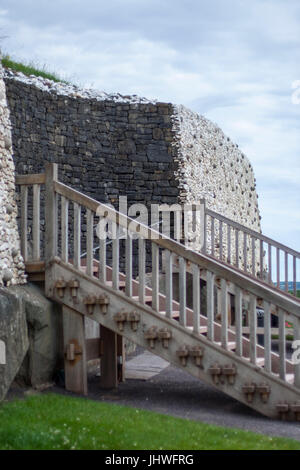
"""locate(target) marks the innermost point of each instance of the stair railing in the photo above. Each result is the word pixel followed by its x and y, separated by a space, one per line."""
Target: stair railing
pixel 198 265
pixel 231 282
pixel 248 250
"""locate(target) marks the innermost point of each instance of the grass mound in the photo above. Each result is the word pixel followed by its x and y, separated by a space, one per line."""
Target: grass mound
pixel 50 421
pixel 30 69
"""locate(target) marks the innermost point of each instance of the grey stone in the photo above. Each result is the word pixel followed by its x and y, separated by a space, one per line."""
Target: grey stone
pixel 45 352
pixel 127 146
pixel 7 275
pixel 9 209
pixel 13 333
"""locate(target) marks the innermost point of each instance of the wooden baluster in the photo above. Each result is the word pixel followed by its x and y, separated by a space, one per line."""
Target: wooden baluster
pixel 286 269
pixel 296 323
pixel 36 222
pixel 221 239
pixel 182 291
pixel 237 248
pixel 205 233
pixel 294 276
pixel 196 297
pixel 64 229
pixel 253 240
pixel 178 226
pixel 128 265
pixel 278 267
pixel 142 267
pixel 77 234
pixel 212 236
pixel 229 244
pixel 245 251
pixel 202 226
pixel 238 321
pixel 261 258
pixel 253 328
pixel 89 242
pixel 282 344
pixel 169 284
pixel 224 314
pixel 270 263
pixel 210 282
pixel 102 260
pixel 267 337
pixel 116 259
pixel 155 276
pixel 24 218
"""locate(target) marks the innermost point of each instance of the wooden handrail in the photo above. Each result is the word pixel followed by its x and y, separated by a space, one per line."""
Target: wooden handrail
pixel 29 180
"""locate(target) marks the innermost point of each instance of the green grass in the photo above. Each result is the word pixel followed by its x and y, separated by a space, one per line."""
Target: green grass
pixel 50 421
pixel 30 69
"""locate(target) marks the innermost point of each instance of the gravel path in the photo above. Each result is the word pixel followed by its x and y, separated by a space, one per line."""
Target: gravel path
pixel 175 392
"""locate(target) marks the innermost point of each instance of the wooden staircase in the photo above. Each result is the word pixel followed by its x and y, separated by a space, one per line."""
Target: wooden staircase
pixel 205 342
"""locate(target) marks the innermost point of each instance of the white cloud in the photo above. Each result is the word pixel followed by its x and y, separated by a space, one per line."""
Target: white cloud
pixel 233 61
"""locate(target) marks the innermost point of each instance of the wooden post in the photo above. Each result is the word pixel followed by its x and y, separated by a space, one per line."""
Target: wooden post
pixel 24 221
pixel 267 337
pixel 196 297
pixel 210 282
pixel 75 351
pixel 224 314
pixel 109 360
pixel 182 291
pixel 50 212
pixel 253 328
pixel 238 321
pixel 36 222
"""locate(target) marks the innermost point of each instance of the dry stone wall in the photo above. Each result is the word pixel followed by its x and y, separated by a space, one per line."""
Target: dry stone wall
pixel 11 263
pixel 112 145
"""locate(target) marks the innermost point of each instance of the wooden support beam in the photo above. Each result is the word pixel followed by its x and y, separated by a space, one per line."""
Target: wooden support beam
pixel 75 351
pixel 109 360
pixel 121 358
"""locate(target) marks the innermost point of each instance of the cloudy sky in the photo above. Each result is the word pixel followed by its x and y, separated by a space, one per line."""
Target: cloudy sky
pixel 234 61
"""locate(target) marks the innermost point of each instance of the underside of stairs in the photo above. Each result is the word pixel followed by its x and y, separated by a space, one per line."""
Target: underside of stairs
pixel 202 339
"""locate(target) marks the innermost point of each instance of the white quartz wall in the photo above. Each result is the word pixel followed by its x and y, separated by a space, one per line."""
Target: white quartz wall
pixel 11 262
pixel 211 167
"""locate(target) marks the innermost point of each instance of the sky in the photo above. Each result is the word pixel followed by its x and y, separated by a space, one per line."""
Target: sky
pixel 237 62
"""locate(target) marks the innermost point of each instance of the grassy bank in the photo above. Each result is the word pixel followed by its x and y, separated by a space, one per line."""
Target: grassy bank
pixel 51 421
pixel 30 69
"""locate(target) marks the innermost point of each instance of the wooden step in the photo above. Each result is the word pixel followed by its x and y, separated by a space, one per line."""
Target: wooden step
pixel 260 361
pixel 122 284
pixel 175 314
pixel 202 329
pixel 288 378
pixel 148 299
